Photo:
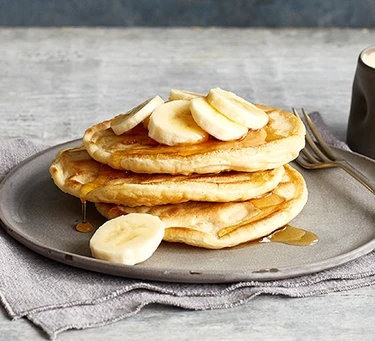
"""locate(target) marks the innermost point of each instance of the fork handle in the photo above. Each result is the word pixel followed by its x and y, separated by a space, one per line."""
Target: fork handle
pixel 357 175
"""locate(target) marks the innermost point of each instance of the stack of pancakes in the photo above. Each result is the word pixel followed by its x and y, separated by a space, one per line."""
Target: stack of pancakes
pixel 211 194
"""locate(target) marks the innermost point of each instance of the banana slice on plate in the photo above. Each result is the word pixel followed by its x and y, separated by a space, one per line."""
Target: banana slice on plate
pixel 124 122
pixel 176 94
pixel 213 122
pixel 128 239
pixel 172 123
pixel 237 109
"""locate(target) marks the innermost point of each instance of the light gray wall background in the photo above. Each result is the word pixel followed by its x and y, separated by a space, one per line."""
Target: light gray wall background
pixel 235 13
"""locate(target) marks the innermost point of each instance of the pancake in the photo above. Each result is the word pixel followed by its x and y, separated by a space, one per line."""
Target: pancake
pixel 220 225
pixel 76 173
pixel 276 144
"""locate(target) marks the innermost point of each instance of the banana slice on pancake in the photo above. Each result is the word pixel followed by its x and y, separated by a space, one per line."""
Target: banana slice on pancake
pixel 272 146
pixel 237 109
pixel 124 122
pixel 216 124
pixel 220 225
pixel 172 123
pixel 76 173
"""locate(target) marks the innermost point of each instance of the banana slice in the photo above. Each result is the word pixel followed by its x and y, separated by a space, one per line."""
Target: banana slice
pixel 237 109
pixel 172 123
pixel 124 122
pixel 128 239
pixel 216 124
pixel 176 94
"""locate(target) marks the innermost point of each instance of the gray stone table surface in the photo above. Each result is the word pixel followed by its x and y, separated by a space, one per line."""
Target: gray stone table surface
pixel 56 82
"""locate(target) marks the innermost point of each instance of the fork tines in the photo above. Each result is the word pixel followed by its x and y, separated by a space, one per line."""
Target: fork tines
pixel 320 155
pixel 318 152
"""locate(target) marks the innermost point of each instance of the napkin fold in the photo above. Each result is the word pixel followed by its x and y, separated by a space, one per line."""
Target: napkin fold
pixel 57 297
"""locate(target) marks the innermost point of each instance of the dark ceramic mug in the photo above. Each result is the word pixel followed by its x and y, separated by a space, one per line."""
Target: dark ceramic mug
pixel 361 125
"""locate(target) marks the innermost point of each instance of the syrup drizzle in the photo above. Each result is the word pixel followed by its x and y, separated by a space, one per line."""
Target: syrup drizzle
pixel 144 145
pixel 286 235
pixel 292 236
pixel 84 225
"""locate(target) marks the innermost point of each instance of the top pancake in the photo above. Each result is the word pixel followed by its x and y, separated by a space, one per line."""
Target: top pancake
pixel 278 143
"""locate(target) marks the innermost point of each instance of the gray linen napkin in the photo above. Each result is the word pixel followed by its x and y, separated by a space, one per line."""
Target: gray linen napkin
pixel 45 291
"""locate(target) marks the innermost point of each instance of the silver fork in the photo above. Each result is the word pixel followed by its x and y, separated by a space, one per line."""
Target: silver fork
pixel 320 155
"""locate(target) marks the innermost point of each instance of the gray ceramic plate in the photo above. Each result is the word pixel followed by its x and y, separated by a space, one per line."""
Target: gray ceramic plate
pixel 341 212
